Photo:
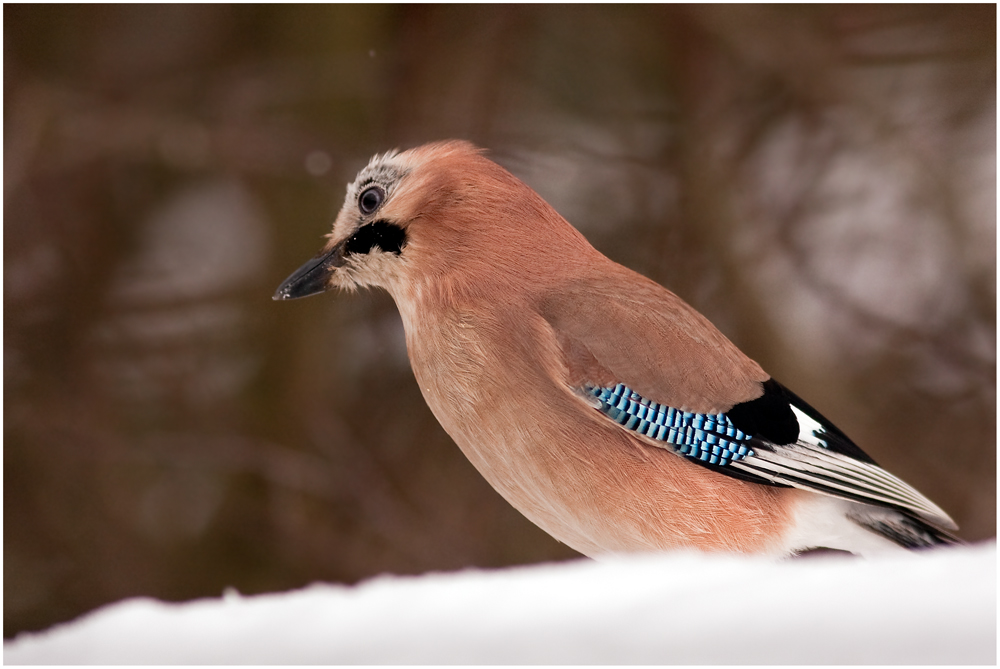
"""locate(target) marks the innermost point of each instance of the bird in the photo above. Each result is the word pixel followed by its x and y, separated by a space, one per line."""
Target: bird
pixel 598 403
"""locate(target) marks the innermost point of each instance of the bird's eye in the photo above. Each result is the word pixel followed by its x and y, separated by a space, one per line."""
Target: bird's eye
pixel 370 199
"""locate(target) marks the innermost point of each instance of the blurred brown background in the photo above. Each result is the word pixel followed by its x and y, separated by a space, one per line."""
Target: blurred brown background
pixel 819 181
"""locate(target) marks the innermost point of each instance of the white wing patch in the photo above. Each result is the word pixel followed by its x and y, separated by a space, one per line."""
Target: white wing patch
pixel 809 428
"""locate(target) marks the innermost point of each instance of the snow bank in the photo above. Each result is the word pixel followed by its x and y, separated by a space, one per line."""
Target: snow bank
pixel 930 608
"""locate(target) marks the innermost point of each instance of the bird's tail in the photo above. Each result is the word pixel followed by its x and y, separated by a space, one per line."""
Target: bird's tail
pixel 904 528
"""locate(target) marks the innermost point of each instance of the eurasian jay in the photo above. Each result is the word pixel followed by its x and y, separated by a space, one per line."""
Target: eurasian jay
pixel 598 403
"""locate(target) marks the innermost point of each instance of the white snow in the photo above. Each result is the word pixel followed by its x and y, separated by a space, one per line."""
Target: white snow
pixel 936 607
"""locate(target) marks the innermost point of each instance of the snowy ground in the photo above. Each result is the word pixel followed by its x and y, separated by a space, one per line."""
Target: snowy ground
pixel 930 608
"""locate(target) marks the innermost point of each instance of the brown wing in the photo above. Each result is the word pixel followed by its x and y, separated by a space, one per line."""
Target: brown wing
pixel 620 327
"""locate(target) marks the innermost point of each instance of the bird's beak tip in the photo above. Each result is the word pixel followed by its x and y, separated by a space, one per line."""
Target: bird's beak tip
pixel 311 278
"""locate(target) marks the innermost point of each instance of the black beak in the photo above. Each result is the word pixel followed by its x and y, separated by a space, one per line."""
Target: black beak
pixel 312 277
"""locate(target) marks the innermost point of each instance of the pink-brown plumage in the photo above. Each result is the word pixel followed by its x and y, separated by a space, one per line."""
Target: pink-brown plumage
pixel 510 315
pixel 567 468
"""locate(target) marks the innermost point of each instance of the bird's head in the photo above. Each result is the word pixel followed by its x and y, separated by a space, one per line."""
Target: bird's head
pixel 438 214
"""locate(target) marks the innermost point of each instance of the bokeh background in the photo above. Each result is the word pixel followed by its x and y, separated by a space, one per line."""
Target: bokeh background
pixel 819 181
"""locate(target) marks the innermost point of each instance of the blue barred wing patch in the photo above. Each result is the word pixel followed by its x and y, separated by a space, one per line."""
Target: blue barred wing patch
pixel 711 438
